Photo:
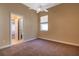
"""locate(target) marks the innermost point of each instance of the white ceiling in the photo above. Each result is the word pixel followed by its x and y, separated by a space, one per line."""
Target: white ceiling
pixel 35 6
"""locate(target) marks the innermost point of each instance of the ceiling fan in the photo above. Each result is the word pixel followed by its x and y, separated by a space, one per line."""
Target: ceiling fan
pixel 41 9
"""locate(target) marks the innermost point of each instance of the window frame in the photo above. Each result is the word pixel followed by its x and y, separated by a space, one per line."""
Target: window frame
pixel 42 23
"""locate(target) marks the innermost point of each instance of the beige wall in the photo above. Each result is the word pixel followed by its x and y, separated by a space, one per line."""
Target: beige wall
pixel 63 23
pixel 30 22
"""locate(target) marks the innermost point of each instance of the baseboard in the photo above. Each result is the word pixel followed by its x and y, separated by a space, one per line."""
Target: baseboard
pixel 29 39
pixel 6 46
pixel 74 44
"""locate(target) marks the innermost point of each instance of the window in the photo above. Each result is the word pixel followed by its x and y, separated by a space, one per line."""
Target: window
pixel 44 23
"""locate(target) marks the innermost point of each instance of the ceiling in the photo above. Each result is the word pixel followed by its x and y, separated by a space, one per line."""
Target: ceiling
pixel 35 6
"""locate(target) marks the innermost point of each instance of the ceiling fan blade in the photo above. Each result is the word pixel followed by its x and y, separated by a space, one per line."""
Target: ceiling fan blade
pixel 30 8
pixel 37 11
pixel 45 10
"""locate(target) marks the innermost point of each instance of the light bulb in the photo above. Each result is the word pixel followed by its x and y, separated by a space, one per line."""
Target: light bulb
pixel 39 9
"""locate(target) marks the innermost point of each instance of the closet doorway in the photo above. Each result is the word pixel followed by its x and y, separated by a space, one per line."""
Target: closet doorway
pixel 16 29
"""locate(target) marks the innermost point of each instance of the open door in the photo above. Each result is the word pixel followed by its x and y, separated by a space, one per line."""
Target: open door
pixel 16 28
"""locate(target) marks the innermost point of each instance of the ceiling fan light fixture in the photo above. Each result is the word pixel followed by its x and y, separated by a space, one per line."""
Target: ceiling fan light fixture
pixel 39 9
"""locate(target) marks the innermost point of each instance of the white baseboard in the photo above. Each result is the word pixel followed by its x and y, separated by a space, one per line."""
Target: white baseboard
pixel 15 44
pixel 5 46
pixel 29 39
pixel 69 43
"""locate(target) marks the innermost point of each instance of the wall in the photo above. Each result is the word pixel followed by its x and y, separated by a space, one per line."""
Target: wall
pixel 63 24
pixel 30 22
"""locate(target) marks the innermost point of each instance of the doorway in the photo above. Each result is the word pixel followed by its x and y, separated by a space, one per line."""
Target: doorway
pixel 16 29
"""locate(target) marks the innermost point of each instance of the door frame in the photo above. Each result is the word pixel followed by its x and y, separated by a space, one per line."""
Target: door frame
pixel 10 36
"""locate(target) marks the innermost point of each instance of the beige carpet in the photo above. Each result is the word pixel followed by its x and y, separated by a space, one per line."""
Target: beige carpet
pixel 40 47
